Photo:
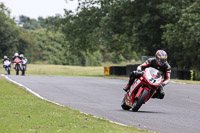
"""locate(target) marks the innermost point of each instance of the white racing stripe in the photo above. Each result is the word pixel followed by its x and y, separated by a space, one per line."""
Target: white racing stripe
pixel 36 94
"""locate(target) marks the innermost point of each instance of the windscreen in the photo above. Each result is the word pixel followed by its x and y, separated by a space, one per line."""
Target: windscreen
pixel 153 76
pixel 154 73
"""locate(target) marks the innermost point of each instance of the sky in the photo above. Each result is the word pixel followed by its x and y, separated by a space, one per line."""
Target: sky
pixel 37 8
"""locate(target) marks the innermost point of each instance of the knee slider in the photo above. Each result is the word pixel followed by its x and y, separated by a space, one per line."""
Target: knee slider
pixel 162 95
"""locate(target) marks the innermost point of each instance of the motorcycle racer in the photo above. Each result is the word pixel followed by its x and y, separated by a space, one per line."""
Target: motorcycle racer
pixel 4 59
pixel 24 61
pixel 16 55
pixel 21 56
pixel 160 63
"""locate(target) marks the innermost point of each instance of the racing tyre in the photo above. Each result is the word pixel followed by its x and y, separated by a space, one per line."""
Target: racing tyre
pixel 138 102
pixel 23 72
pixel 17 72
pixel 8 71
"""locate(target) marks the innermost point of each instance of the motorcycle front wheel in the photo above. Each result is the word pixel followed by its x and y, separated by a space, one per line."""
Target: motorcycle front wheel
pixel 23 71
pixel 8 71
pixel 17 70
pixel 138 102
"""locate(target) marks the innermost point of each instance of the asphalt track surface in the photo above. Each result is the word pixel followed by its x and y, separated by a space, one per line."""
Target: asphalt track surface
pixel 178 112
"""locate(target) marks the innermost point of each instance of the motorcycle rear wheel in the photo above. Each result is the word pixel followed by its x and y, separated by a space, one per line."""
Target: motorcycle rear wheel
pixel 138 102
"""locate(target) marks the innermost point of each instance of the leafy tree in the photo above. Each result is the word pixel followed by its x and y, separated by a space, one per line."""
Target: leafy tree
pixel 109 30
pixel 183 38
pixel 12 38
pixel 30 24
pixel 8 32
pixel 51 46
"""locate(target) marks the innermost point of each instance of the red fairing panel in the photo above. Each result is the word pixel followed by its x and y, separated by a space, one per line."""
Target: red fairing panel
pixel 139 92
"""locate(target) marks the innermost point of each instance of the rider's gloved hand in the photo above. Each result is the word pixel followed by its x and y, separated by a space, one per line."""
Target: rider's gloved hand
pixel 139 69
pixel 132 73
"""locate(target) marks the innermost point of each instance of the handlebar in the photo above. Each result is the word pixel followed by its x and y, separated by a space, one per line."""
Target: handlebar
pixel 139 72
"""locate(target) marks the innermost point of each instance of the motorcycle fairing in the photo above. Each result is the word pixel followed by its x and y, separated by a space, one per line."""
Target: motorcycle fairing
pixel 147 81
pixel 7 63
pixel 17 60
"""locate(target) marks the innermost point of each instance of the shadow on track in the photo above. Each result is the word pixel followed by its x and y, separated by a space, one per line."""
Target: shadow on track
pixel 145 112
pixel 151 112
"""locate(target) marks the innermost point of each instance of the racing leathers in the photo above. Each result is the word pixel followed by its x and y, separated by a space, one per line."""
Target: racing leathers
pixel 14 57
pixel 3 60
pixel 165 69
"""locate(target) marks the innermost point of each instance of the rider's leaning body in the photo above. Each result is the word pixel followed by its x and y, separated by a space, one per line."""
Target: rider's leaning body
pixel 160 63
pixel 4 59
pixel 16 55
pixel 165 69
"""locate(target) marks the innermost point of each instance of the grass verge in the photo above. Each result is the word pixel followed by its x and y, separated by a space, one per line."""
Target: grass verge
pixel 39 69
pixel 20 111
pixel 186 81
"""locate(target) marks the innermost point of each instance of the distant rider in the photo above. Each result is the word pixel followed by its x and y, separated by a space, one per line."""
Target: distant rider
pixel 16 55
pixel 160 63
pixel 21 56
pixel 4 59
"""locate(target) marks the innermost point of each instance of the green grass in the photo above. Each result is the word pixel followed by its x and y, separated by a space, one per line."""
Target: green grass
pixel 186 81
pixel 20 111
pixel 39 69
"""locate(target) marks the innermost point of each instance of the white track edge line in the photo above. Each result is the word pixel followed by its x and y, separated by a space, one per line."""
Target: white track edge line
pixel 34 93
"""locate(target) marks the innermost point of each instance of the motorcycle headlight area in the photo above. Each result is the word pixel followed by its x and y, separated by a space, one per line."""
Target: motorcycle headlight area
pixel 151 79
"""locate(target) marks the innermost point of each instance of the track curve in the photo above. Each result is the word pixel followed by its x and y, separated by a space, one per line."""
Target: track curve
pixel 178 112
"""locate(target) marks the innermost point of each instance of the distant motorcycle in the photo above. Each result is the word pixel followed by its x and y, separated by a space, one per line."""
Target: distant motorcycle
pixel 142 89
pixel 7 66
pixel 17 65
pixel 23 66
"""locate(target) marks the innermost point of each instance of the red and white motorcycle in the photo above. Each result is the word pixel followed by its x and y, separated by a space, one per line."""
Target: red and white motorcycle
pixel 142 89
pixel 17 65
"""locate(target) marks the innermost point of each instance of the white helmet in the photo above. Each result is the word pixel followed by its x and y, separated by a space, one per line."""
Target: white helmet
pixel 16 54
pixel 5 57
pixel 21 56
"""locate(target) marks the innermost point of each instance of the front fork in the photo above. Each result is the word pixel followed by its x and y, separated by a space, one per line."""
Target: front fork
pixel 140 91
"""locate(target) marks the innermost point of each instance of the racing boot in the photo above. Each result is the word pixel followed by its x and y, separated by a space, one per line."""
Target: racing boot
pixel 159 93
pixel 126 88
pixel 130 82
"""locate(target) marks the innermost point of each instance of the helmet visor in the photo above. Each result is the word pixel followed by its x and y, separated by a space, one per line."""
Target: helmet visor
pixel 162 60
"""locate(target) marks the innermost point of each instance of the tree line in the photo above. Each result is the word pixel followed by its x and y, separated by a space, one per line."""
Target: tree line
pixel 108 31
